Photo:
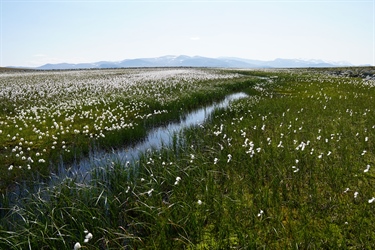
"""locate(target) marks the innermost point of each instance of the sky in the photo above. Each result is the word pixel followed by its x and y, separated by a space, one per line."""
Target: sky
pixel 36 32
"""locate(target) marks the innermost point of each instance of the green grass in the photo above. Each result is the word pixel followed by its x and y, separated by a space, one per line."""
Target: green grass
pixel 291 167
pixel 46 115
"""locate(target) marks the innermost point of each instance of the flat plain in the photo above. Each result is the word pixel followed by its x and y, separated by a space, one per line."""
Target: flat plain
pixel 290 166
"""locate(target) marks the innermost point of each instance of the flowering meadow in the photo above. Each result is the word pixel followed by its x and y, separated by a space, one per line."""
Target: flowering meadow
pixel 49 114
pixel 289 167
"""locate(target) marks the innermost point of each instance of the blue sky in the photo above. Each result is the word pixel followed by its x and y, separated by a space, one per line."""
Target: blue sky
pixel 34 33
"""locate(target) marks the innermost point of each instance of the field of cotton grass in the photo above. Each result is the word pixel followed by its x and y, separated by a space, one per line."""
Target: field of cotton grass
pixel 47 115
pixel 289 167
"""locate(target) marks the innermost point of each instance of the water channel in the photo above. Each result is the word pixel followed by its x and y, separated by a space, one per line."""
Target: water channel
pixel 156 139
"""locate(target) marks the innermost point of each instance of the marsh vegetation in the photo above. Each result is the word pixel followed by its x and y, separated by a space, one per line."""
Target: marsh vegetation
pixel 289 166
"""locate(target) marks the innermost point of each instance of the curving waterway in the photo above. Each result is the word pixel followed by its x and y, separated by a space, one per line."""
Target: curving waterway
pixel 156 139
pixel 80 171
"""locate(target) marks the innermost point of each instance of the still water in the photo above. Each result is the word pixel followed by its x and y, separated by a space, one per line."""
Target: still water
pixel 156 139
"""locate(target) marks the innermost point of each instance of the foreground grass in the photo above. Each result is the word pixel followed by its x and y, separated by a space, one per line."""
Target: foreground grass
pixel 290 167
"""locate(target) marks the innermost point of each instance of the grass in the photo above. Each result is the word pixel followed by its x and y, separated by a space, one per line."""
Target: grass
pixel 45 115
pixel 292 166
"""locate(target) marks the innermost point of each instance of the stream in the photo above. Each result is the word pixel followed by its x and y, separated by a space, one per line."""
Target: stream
pixel 156 139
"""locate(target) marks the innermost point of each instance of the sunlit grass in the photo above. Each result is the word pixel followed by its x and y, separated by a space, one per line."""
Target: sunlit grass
pixel 289 167
pixel 45 115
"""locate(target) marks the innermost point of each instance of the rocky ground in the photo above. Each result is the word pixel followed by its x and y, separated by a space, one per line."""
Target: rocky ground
pixel 367 73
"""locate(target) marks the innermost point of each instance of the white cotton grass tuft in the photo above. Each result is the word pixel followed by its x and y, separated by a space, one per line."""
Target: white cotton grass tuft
pixel 229 158
pixel 295 169
pixel 88 237
pixel 77 246
pixel 367 169
pixel 178 179
pixel 192 157
pixel 261 212
pixel 150 192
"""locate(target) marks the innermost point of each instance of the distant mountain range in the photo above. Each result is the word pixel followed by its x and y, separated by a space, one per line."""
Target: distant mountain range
pixel 198 61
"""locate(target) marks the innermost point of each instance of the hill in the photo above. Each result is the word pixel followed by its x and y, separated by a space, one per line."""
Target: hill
pixel 197 61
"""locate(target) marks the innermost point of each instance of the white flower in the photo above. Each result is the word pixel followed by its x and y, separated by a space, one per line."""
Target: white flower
pixel 77 246
pixel 217 133
pixel 371 200
pixel 192 157
pixel 177 180
pixel 88 237
pixel 229 158
pixel 355 195
pixel 260 213
pixel 367 169
pixel 216 160
pixel 150 192
pixel 199 202
pixel 295 169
